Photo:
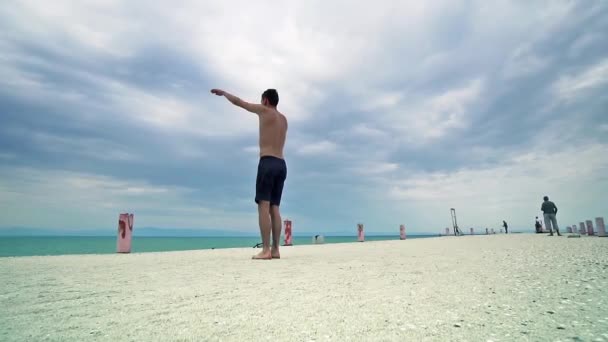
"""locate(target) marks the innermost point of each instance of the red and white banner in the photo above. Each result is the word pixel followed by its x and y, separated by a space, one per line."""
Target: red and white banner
pixel 125 232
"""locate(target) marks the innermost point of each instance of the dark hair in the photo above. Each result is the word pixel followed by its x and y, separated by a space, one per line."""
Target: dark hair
pixel 546 198
pixel 272 96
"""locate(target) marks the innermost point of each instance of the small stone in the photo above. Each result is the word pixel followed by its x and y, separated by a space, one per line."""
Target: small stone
pixel 457 325
pixel 561 327
pixel 550 312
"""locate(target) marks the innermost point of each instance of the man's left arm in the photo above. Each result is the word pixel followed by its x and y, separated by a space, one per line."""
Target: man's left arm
pixel 235 100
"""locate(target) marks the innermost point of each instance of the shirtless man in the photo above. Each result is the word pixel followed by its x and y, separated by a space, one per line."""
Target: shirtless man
pixel 272 169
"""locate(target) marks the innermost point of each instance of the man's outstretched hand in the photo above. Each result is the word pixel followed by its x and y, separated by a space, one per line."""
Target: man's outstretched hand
pixel 254 108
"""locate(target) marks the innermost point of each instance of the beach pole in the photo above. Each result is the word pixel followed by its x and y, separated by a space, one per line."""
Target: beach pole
pixel 590 228
pixel 360 232
pixel 124 234
pixel 601 228
pixel 288 239
pixel 402 235
pixel 582 228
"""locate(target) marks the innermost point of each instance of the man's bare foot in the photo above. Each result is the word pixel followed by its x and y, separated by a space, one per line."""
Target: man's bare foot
pixel 263 255
pixel 275 254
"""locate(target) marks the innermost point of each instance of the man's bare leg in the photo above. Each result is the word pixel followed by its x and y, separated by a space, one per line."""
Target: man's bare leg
pixel 275 217
pixel 265 227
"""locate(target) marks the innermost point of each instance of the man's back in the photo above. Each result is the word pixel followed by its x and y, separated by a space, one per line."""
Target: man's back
pixel 273 131
pixel 548 207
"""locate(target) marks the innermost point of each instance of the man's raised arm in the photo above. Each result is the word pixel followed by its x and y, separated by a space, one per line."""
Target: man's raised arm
pixel 251 107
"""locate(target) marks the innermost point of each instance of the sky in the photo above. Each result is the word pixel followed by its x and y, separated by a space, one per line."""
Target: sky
pixel 398 111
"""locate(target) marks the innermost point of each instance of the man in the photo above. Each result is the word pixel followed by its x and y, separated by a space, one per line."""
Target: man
pixel 504 224
pixel 549 211
pixel 272 169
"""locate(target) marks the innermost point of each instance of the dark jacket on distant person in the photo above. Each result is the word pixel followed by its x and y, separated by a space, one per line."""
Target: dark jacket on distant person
pixel 548 207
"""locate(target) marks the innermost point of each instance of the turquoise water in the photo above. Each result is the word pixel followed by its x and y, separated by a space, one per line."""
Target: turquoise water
pixel 60 245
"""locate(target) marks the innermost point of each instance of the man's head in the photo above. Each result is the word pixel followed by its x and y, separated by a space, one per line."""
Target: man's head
pixel 546 198
pixel 270 98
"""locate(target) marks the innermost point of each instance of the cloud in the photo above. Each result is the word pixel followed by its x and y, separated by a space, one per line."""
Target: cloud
pixel 320 148
pixel 82 200
pixel 431 118
pixel 570 87
pixel 376 168
pixel 530 172
pixel 524 62
pixel 513 188
pixel 396 110
pixel 584 42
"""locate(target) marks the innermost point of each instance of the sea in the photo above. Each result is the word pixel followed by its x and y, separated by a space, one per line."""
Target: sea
pixel 15 246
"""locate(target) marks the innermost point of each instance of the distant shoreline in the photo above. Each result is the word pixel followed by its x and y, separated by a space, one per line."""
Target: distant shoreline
pixel 23 246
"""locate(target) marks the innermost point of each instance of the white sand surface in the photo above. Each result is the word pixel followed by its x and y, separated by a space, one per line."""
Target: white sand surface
pixel 517 287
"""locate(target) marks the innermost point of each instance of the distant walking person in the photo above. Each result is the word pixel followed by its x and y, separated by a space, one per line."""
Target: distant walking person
pixel 550 210
pixel 504 224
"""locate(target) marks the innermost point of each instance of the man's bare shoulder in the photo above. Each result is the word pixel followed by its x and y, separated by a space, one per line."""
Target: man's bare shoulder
pixel 283 118
pixel 274 112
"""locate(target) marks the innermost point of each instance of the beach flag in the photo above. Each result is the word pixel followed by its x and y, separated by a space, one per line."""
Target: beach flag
pixel 447 231
pixel 569 229
pixel 472 231
pixel 582 228
pixel 125 231
pixel 575 229
pixel 590 228
pixel 601 229
pixel 360 232
pixel 288 241
pixel 402 232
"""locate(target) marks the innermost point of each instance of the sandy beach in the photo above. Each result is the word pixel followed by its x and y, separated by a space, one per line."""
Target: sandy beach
pixel 519 287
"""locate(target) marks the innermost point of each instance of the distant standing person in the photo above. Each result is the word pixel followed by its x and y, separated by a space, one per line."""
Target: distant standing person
pixel 549 210
pixel 272 169
pixel 538 226
pixel 504 224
